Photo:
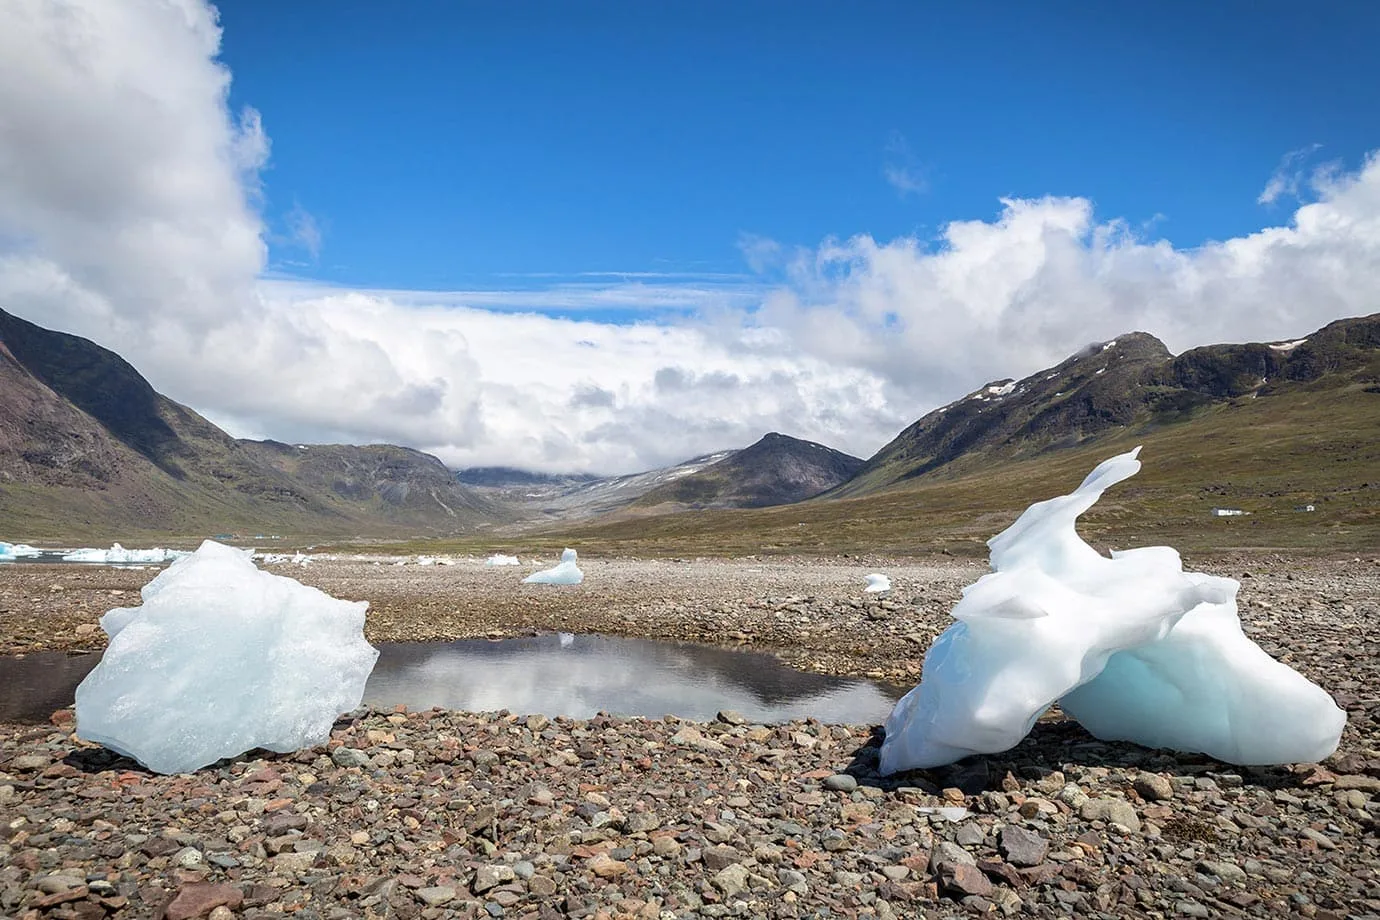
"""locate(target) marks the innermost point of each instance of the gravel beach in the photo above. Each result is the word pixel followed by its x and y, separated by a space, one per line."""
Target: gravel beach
pixel 441 814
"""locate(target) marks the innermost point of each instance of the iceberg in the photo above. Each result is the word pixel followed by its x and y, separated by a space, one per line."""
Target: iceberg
pixel 500 559
pixel 221 658
pixel 877 583
pixel 12 551
pixel 567 573
pixel 1132 646
pixel 118 555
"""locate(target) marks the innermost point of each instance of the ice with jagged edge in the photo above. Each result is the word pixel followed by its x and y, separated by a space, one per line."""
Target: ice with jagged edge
pixel 11 551
pixel 566 573
pixel 221 658
pixel 877 583
pixel 118 555
pixel 500 559
pixel 1132 646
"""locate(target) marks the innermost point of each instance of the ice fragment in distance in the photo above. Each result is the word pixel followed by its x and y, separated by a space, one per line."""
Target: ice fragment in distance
pixel 877 583
pixel 566 573
pixel 222 658
pixel 500 559
pixel 1138 649
pixel 11 551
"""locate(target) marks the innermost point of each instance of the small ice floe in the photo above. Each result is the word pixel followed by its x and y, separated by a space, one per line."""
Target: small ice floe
pixel 1132 647
pixel 500 559
pixel 567 639
pixel 567 573
pixel 221 658
pixel 877 583
pixel 118 555
pixel 12 551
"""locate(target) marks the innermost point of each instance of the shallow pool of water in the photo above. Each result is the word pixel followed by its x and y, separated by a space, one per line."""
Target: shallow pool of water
pixel 55 558
pixel 556 675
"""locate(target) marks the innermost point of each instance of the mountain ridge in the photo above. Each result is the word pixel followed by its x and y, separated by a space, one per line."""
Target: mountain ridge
pixel 1132 382
pixel 86 442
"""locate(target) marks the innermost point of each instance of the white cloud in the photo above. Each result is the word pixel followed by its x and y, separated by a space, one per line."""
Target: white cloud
pixel 1288 178
pixel 129 213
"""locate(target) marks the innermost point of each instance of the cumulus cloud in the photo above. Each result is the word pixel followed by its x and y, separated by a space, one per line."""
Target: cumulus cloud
pixel 130 212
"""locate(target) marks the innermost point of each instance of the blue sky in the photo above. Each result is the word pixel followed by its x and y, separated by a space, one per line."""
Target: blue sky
pixel 609 237
pixel 452 145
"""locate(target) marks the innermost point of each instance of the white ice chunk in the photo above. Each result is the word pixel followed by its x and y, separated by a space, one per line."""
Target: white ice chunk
pixel 222 658
pixel 1206 687
pixel 117 554
pixel 1138 650
pixel 500 559
pixel 11 551
pixel 567 573
pixel 877 583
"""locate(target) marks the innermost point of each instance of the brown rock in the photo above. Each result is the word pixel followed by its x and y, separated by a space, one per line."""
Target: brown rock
pixel 605 866
pixel 200 898
pixel 963 880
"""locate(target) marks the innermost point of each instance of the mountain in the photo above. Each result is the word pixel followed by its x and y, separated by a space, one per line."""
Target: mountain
pixel 557 497
pixel 777 470
pixel 1130 384
pixel 87 446
pixel 1288 432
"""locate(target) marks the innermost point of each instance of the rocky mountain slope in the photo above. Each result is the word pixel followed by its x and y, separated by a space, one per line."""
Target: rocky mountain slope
pixel 1131 383
pixel 777 470
pixel 87 446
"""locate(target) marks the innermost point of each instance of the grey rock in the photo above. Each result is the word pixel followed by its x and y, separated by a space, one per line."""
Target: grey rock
pixel 349 757
pixel 841 782
pixel 1022 847
pixel 731 880
pixel 1153 787
pixel 491 877
pixel 52 884
pixel 971 835
pixel 28 763
pixel 948 852
pixel 721 857
pixel 436 895
pixel 1226 871
pixel 792 880
pixel 1112 810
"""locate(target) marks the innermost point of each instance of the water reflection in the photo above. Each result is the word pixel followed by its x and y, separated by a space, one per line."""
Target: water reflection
pixel 562 674
pixel 32 686
pixel 580 675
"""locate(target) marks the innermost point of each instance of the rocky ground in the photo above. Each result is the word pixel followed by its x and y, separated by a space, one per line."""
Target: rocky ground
pixel 436 814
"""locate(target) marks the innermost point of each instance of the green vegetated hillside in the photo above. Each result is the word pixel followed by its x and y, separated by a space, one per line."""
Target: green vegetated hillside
pixel 89 450
pixel 1267 430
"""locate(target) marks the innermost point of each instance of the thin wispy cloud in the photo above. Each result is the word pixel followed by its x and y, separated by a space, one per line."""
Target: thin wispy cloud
pixel 902 169
pixel 691 293
pixel 1289 177
pixel 305 230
